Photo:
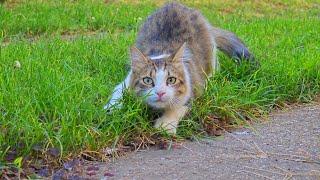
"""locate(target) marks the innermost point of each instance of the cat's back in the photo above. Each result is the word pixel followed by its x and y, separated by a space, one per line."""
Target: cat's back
pixel 170 26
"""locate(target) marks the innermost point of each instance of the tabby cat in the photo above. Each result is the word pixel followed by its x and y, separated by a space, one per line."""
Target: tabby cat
pixel 174 54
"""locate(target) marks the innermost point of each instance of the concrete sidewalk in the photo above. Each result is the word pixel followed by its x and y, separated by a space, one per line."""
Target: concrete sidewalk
pixel 285 147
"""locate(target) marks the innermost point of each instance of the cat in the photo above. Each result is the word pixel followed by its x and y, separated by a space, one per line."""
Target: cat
pixel 174 54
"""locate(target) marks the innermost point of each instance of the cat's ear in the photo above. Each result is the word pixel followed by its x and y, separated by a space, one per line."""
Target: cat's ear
pixel 183 54
pixel 138 59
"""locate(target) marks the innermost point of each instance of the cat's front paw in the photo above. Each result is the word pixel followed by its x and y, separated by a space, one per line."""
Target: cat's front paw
pixel 168 125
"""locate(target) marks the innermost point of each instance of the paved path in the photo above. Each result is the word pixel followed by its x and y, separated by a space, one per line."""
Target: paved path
pixel 286 146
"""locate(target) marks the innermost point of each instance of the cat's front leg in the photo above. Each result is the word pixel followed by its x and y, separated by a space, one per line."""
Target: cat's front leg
pixel 118 94
pixel 170 119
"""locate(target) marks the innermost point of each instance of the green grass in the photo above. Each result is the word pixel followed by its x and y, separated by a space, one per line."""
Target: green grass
pixel 56 98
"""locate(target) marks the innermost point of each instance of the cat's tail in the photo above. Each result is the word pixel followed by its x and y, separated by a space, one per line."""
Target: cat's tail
pixel 231 45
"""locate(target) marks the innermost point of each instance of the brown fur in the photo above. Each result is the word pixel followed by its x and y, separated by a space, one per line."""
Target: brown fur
pixel 174 54
pixel 171 26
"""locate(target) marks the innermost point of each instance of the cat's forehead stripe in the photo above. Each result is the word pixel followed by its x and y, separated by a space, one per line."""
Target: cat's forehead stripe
pixel 159 64
pixel 162 56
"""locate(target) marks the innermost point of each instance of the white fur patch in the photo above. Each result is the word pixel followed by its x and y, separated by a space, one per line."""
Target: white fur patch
pixel 160 81
pixel 159 56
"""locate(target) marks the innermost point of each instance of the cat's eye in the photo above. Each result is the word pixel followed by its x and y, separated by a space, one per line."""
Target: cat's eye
pixel 147 80
pixel 171 80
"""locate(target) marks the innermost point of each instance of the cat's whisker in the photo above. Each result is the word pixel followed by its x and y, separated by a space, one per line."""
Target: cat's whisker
pixel 174 102
pixel 171 103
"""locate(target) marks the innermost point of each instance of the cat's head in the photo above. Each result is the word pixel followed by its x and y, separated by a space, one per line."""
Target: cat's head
pixel 163 79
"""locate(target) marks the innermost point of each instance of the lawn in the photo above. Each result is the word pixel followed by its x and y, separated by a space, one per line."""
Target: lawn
pixel 61 59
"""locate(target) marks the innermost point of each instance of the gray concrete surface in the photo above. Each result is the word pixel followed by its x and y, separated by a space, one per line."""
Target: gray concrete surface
pixel 286 146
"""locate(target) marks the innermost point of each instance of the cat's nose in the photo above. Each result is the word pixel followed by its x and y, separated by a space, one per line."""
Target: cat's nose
pixel 160 94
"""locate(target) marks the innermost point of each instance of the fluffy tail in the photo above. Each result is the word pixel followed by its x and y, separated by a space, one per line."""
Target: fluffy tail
pixel 231 45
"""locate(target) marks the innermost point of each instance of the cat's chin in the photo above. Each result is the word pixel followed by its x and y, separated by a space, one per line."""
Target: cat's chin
pixel 158 105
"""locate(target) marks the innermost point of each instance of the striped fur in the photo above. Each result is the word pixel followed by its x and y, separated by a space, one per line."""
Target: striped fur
pixel 174 53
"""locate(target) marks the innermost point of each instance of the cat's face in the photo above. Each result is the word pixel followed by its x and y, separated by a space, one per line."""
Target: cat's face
pixel 163 79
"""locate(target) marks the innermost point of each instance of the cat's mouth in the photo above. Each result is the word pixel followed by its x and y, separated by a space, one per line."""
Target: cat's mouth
pixel 158 104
